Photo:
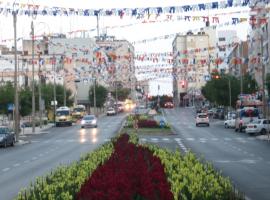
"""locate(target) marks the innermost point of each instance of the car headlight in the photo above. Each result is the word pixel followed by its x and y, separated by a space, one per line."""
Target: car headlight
pixel 82 122
pixel 94 121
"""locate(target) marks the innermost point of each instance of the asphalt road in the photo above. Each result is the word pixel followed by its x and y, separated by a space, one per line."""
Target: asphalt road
pixel 20 165
pixel 243 158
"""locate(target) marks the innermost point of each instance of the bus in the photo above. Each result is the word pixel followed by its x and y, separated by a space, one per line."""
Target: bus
pixel 248 110
pixel 78 112
pixel 63 116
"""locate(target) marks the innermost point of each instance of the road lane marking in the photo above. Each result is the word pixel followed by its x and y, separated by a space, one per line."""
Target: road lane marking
pixel 227 139
pixel 190 139
pixel 165 139
pixel 214 139
pixel 16 165
pixel 26 161
pixel 178 139
pixel 6 169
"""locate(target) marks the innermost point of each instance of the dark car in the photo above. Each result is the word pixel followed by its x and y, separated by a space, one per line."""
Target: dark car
pixel 7 137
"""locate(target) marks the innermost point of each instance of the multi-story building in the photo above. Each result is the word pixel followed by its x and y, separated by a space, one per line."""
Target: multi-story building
pixel 192 64
pixel 226 41
pixel 118 57
pixel 259 40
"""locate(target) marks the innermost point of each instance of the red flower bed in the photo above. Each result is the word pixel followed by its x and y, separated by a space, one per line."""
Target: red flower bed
pixel 148 124
pixel 131 173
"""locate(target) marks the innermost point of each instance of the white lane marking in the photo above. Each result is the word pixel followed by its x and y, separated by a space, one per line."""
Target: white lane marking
pixel 190 139
pixel 70 140
pixel 227 139
pixel 143 139
pixel 178 139
pixel 154 139
pixel 182 146
pixel 214 139
pixel 16 165
pixel 247 161
pixel 6 169
pixel 34 158
pixel 165 139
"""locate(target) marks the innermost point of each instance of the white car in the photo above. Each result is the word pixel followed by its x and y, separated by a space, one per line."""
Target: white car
pixel 229 123
pixel 259 126
pixel 111 111
pixel 202 118
pixel 89 121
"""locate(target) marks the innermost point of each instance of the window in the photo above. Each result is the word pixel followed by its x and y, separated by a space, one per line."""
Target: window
pixel 221 39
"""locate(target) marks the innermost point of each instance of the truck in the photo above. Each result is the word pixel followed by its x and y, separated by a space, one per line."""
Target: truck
pixel 78 112
pixel 248 109
pixel 63 116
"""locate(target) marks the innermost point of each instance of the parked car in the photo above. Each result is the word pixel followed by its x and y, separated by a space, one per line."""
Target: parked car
pixel 89 121
pixel 229 123
pixel 168 105
pixel 111 111
pixel 7 136
pixel 259 126
pixel 202 118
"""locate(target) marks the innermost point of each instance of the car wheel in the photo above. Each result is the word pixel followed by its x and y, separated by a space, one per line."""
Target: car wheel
pixel 196 124
pixel 95 126
pixel 13 142
pixel 82 127
pixel 263 131
pixel 208 124
pixel 236 129
pixel 226 125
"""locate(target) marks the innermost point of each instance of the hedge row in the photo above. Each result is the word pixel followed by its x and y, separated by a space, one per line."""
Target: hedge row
pixel 187 176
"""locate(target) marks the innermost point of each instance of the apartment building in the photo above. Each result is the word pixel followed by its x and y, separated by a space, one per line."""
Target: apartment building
pixel 192 63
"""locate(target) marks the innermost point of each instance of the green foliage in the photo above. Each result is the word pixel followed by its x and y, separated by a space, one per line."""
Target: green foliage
pixel 122 93
pixel 217 90
pixel 7 92
pixel 64 182
pixel 189 178
pixel 101 95
pixel 25 99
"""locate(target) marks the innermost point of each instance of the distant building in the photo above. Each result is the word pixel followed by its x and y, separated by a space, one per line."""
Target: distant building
pixel 226 40
pixel 118 57
pixel 192 64
pixel 259 47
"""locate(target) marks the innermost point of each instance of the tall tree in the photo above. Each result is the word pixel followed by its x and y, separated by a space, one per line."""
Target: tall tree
pixel 101 95
pixel 122 93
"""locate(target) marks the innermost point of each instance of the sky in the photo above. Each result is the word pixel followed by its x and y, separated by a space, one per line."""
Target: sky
pixel 135 32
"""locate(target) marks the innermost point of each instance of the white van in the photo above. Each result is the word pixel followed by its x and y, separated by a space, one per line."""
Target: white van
pixel 244 116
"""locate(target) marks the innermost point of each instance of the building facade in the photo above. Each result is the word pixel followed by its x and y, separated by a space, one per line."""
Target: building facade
pixel 192 64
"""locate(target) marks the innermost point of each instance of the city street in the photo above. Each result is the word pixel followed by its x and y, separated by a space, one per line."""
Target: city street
pixel 243 158
pixel 21 164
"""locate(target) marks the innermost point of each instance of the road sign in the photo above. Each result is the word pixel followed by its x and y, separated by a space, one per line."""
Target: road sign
pixel 52 103
pixel 10 107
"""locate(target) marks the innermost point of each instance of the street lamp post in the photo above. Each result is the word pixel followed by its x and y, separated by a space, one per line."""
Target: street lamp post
pixel 54 91
pixel 33 80
pixel 17 122
pixel 39 91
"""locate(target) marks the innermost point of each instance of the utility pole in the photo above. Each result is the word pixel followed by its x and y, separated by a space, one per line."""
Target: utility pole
pixel 63 66
pixel 33 80
pixel 241 70
pixel 17 122
pixel 54 90
pixel 39 92
pixel 263 79
pixel 97 25
pixel 95 102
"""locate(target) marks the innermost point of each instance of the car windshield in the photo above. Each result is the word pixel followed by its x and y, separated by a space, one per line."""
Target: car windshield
pixel 3 130
pixel 110 109
pixel 202 116
pixel 249 113
pixel 257 122
pixel 62 112
pixel 89 118
pixel 78 109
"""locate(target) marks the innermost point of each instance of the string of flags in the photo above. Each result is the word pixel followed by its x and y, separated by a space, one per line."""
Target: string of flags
pixel 27 9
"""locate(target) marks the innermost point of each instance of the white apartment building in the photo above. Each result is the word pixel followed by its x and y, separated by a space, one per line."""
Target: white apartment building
pixel 117 56
pixel 192 63
pixel 259 47
pixel 225 45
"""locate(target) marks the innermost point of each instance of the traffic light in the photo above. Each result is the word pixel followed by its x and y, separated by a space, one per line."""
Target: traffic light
pixel 215 77
pixel 183 84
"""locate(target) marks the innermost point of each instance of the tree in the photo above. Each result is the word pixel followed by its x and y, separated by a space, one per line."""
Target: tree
pixel 249 84
pixel 7 92
pixel 217 90
pixel 122 93
pixel 101 95
pixel 25 99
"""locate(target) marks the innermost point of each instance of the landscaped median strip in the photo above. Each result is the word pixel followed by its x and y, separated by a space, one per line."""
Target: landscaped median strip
pixel 186 176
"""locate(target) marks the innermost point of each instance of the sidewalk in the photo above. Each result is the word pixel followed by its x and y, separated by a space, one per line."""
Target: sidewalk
pixel 38 130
